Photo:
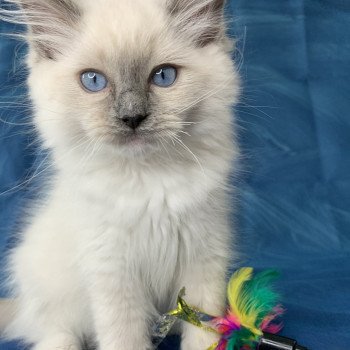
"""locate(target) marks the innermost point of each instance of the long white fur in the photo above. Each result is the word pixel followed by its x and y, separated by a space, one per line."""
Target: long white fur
pixel 122 230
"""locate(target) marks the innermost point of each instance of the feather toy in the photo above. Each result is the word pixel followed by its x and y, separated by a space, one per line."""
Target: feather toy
pixel 253 309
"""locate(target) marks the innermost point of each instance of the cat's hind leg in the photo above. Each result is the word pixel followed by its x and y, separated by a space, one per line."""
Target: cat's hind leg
pixel 52 310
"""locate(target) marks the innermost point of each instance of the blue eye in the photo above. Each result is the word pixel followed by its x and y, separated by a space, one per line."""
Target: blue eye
pixel 164 76
pixel 93 81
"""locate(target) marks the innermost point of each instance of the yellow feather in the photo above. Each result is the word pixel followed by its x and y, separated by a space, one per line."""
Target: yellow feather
pixel 235 288
pixel 234 293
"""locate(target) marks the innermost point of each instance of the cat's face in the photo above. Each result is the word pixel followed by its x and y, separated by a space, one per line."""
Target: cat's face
pixel 133 76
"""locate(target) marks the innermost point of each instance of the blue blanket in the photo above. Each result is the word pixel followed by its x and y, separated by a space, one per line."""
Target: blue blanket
pixel 294 126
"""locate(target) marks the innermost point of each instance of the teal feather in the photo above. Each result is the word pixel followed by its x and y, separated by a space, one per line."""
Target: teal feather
pixel 240 339
pixel 258 297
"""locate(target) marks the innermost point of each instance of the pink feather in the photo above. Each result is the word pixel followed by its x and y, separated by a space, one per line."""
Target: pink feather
pixel 228 324
pixel 268 325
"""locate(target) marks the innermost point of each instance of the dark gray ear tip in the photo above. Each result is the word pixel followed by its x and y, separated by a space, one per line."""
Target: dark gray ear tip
pixel 218 4
pixel 176 6
pixel 63 5
pixel 209 13
pixel 44 34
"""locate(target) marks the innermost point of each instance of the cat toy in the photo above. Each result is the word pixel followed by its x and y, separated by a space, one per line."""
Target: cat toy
pixel 251 321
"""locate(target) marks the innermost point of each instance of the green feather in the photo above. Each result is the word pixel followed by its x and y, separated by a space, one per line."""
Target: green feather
pixel 258 299
pixel 241 338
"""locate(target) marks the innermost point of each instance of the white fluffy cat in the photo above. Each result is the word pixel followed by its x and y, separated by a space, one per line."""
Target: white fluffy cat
pixel 133 98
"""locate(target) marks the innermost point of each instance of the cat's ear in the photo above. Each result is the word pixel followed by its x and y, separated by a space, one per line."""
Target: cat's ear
pixel 203 20
pixel 50 23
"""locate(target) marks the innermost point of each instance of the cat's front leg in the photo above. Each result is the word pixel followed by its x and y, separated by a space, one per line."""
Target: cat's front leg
pixel 119 305
pixel 205 289
pixel 120 315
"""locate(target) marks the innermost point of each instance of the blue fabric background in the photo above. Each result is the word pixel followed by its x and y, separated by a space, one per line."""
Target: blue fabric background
pixel 294 130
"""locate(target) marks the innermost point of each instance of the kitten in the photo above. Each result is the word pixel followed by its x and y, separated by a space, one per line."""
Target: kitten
pixel 133 98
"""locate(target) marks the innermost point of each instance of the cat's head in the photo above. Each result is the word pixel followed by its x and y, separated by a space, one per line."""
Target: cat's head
pixel 132 76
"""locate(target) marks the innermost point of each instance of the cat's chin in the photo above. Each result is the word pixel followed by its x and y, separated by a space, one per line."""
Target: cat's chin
pixel 134 145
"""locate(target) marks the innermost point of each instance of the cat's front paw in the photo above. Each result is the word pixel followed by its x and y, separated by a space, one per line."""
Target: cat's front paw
pixel 126 346
pixel 194 338
pixel 58 342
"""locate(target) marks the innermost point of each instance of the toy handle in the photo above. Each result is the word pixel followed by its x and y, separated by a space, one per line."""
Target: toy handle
pixel 276 342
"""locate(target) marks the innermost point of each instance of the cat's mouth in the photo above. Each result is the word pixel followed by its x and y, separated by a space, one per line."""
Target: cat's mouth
pixel 143 140
pixel 136 140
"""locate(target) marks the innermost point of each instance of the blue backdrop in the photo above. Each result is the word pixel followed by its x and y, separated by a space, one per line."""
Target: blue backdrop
pixel 294 125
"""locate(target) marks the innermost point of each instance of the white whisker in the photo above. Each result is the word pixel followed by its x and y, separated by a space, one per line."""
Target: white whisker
pixel 38 173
